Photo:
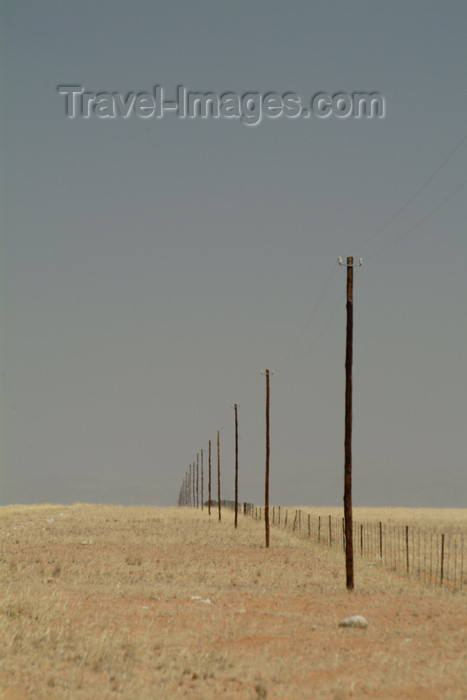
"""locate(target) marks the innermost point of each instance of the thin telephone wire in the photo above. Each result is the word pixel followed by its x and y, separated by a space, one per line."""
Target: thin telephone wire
pixel 422 221
pixel 306 326
pixel 399 211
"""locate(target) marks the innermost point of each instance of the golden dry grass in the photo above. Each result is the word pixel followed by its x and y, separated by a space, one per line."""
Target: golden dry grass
pixel 426 543
pixel 109 602
pixel 441 519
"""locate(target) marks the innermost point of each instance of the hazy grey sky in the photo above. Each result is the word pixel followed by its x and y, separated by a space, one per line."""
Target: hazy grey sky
pixel 151 267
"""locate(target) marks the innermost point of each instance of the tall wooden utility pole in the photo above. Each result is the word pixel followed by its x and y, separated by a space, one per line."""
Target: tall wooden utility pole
pixel 235 406
pixel 197 479
pixel 348 427
pixel 209 482
pixel 219 475
pixel 267 372
pixel 202 482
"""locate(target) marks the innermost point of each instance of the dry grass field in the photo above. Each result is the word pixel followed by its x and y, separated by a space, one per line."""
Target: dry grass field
pixel 428 544
pixel 114 602
pixel 442 519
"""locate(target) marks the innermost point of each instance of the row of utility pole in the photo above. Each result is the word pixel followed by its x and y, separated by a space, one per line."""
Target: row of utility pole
pixel 189 492
pixel 189 495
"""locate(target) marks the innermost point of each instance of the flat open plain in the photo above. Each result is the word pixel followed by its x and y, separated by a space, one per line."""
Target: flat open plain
pixel 101 601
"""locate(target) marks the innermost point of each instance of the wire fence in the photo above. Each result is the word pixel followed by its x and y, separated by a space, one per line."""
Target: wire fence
pixel 432 557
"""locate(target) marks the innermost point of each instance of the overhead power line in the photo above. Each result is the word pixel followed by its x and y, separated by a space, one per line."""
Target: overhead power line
pixel 310 318
pixel 399 211
pixel 422 221
pixel 323 329
pixel 373 235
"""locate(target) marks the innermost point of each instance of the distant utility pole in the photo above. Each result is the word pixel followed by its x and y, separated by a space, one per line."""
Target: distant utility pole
pixel 202 482
pixel 267 372
pixel 209 483
pixel 348 425
pixel 193 481
pixel 219 475
pixel 197 479
pixel 191 485
pixel 235 406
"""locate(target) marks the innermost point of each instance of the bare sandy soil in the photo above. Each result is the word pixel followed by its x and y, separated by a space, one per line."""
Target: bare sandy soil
pixel 108 602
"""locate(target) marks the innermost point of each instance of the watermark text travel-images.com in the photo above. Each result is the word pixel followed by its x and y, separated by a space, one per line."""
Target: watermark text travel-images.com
pixel 250 107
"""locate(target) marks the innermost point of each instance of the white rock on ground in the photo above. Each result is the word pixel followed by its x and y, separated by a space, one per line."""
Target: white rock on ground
pixel 354 621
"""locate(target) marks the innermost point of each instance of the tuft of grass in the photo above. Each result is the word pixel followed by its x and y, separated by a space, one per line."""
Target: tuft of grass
pixel 133 560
